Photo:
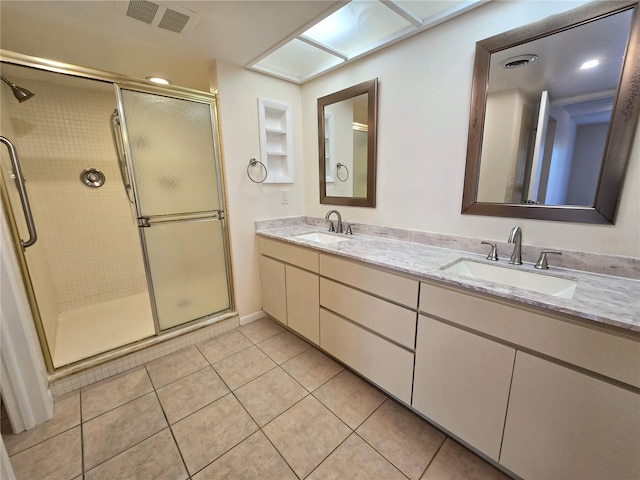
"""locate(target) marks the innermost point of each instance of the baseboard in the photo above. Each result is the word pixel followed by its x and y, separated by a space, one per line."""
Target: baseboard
pixel 252 317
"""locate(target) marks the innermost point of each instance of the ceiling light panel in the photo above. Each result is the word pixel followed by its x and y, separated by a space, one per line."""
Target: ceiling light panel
pixel 357 27
pixel 297 60
pixel 432 9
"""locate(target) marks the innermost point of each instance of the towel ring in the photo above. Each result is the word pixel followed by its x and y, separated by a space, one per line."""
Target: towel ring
pixel 252 163
pixel 342 165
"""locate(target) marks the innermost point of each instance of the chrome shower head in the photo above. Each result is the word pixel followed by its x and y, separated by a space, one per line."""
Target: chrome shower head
pixel 21 94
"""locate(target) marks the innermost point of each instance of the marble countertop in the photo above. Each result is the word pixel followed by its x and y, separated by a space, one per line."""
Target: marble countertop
pixel 599 298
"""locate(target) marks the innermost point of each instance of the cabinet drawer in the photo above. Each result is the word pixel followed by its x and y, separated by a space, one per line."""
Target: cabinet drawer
pixel 382 362
pixel 608 353
pixel 387 285
pixel 389 320
pixel 299 256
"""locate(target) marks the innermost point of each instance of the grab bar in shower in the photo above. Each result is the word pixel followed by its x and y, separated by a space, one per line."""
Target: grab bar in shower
pixel 26 208
pixel 122 162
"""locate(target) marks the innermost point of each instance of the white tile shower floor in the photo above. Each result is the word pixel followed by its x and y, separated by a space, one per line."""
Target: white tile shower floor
pixel 87 331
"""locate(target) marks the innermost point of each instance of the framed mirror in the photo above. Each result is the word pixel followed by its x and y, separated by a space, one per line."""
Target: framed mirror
pixel 554 108
pixel 347 145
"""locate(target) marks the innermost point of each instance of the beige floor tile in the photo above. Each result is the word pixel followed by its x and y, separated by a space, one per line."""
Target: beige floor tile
pixel 312 368
pixel 269 395
pixel 454 461
pixel 185 396
pixel 115 431
pixel 113 392
pixel 243 367
pixel 58 457
pixel 350 397
pixel 260 329
pixel 212 431
pixel 172 367
pixel 155 458
pixel 283 346
pixel 254 458
pixel 221 347
pixel 355 459
pixel 405 439
pixel 305 434
pixel 66 415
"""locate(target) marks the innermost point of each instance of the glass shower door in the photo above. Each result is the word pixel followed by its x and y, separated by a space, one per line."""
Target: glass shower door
pixel 172 155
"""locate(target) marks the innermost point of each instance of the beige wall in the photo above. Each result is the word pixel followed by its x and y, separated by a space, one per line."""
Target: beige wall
pixel 424 97
pixel 239 91
pixel 501 152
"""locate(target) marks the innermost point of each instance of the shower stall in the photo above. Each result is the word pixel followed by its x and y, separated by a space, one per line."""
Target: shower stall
pixel 116 187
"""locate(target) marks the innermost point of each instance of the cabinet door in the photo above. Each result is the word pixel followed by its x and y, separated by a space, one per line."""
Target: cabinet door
pixel 563 424
pixel 462 382
pixel 303 303
pixel 274 296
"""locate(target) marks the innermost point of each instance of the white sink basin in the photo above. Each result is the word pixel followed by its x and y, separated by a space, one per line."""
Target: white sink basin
pixel 536 282
pixel 324 238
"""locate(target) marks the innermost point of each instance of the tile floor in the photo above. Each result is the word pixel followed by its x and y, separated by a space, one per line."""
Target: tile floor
pixel 254 403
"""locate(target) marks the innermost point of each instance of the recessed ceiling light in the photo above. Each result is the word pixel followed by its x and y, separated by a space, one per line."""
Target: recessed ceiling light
pixel 159 80
pixel 589 64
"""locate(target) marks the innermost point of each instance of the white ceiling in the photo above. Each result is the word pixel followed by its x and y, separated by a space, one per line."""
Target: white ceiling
pixel 235 32
pixel 560 56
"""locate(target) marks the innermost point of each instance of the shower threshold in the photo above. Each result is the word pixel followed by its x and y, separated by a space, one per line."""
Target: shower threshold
pixel 121 359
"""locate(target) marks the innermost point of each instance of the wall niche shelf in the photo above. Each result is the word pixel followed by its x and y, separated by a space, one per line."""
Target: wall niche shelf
pixel 276 140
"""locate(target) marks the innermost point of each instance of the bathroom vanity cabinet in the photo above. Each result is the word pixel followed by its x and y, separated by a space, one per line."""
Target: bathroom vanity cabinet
pixel 542 394
pixel 363 316
pixel 565 393
pixel 290 292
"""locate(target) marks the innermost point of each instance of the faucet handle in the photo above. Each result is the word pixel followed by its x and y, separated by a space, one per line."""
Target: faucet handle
pixel 332 227
pixel 493 253
pixel 347 228
pixel 542 264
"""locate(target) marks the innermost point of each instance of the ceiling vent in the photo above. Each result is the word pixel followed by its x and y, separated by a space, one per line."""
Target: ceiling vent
pixel 165 15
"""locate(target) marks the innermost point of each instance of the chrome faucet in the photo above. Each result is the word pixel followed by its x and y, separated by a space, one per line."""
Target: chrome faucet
pixel 515 237
pixel 338 227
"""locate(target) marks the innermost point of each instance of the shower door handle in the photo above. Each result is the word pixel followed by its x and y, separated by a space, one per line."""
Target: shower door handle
pixel 122 162
pixel 26 208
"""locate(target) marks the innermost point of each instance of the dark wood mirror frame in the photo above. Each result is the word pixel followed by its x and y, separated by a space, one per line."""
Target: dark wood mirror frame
pixel 621 130
pixel 371 88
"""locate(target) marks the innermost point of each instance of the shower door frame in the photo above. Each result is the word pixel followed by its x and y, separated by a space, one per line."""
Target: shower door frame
pixel 144 222
pixel 120 81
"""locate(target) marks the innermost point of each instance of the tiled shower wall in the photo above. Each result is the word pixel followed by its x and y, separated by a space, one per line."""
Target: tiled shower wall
pixel 35 255
pixel 89 234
